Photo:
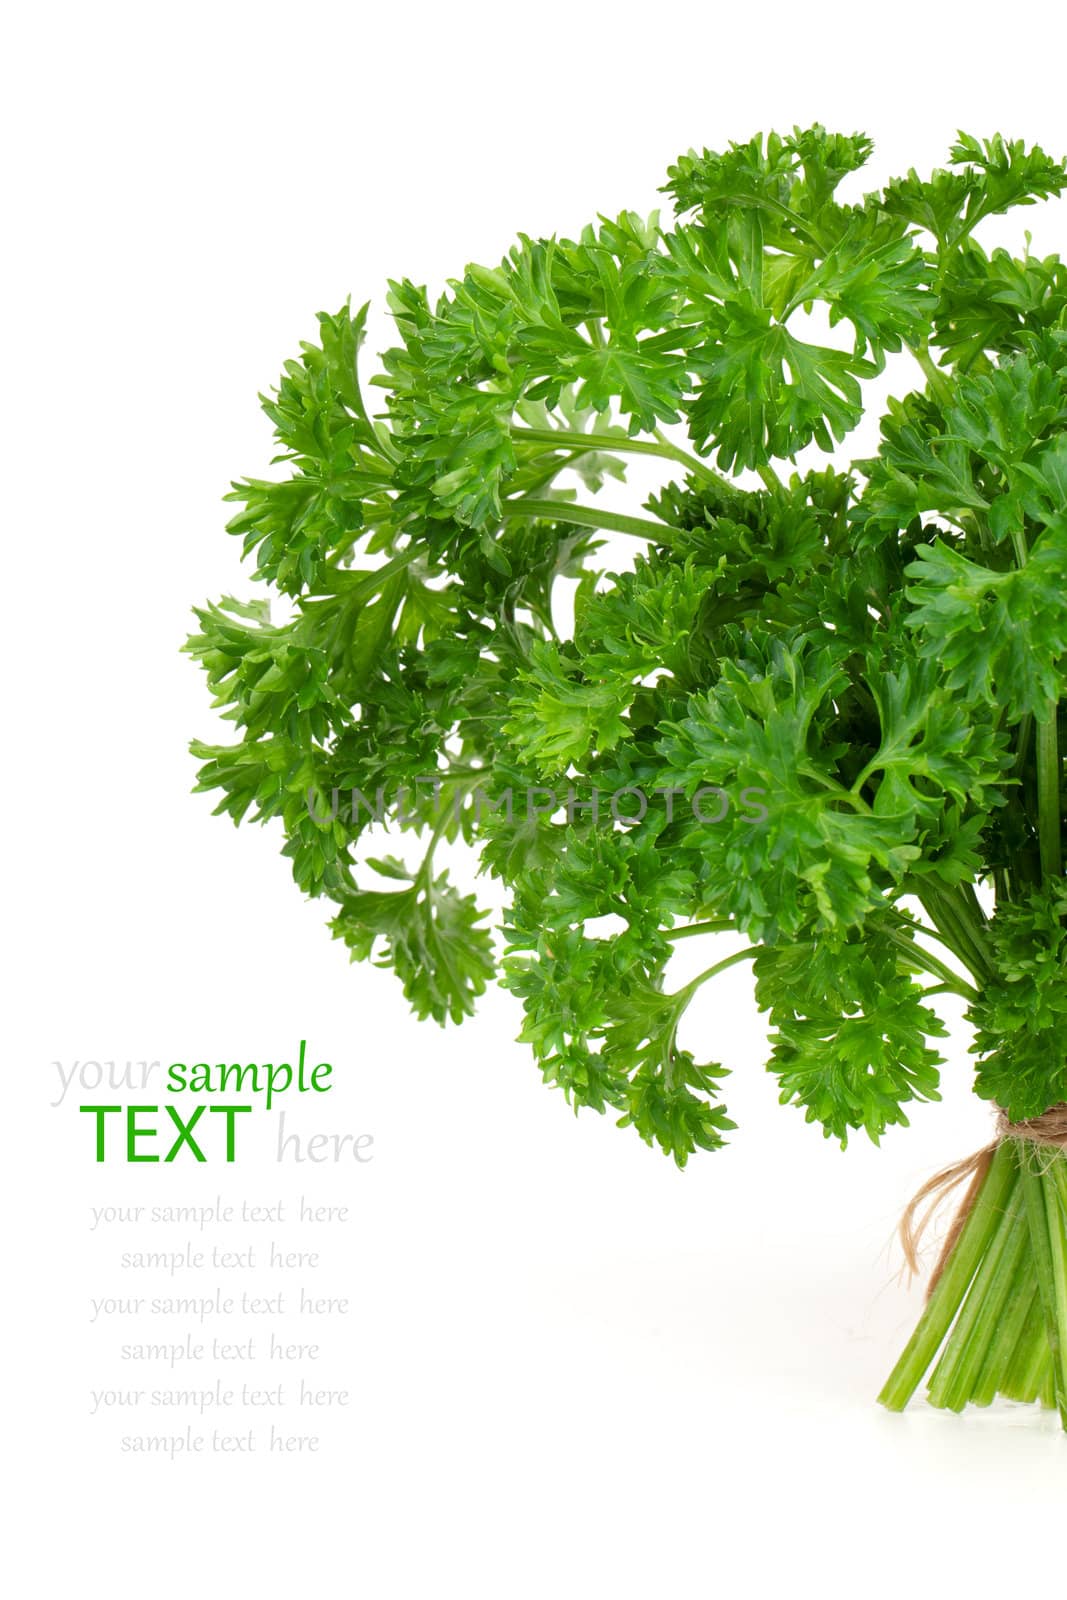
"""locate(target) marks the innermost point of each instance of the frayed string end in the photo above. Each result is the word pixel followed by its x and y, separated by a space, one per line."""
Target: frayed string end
pixel 1049 1130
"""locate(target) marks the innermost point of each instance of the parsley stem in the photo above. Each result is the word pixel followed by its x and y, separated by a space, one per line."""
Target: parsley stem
pixel 1050 1258
pixel 424 877
pixel 694 984
pixel 1049 803
pixel 996 1367
pixel 384 438
pixel 957 917
pixel 955 1280
pixel 925 961
pixel 1022 743
pixel 938 380
pixel 721 925
pixel 572 439
pixel 947 923
pixel 956 1374
pixel 588 517
pixel 915 926
pixel 357 583
pixel 803 225
pixel 685 458
pixel 529 482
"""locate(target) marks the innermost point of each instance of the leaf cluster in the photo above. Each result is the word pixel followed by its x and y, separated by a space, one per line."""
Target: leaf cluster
pixel 814 716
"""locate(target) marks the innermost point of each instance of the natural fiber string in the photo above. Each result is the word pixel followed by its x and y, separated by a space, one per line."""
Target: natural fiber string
pixel 1049 1130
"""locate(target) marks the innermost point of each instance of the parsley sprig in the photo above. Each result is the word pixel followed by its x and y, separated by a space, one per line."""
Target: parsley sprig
pixel 876 651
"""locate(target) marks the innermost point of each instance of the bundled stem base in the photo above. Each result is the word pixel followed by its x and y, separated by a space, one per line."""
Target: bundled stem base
pixel 996 1319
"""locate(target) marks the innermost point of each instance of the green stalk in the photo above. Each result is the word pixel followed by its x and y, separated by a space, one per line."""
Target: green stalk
pixel 1047 1389
pixel 947 926
pixel 1058 1173
pixel 771 481
pixel 958 917
pixel 1057 1229
pixel 748 954
pixel 955 1280
pixel 1050 1260
pixel 939 381
pixel 693 930
pixel 956 1375
pixel 573 440
pixel 925 961
pixel 360 583
pixel 973 922
pixel 1021 1302
pixel 1049 804
pixel 1031 1359
pixel 588 517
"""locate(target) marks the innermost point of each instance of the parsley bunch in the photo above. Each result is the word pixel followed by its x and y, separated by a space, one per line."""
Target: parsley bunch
pixel 863 666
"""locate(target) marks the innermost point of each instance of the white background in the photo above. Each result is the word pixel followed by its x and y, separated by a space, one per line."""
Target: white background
pixel 574 1370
